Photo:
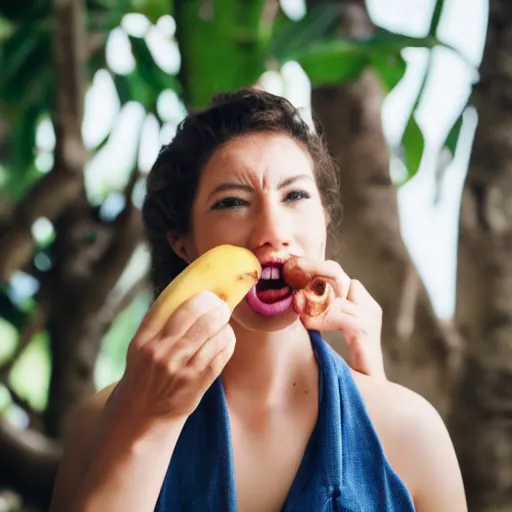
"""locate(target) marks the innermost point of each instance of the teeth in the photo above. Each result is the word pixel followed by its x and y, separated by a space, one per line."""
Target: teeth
pixel 270 273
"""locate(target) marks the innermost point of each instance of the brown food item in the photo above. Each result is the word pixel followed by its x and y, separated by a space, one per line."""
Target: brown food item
pixel 294 276
pixel 313 294
pixel 316 297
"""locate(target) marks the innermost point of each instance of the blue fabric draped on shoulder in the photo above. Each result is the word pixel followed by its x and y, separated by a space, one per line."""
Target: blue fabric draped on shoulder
pixel 344 468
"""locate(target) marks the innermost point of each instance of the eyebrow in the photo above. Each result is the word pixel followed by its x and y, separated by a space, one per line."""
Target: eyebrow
pixel 242 186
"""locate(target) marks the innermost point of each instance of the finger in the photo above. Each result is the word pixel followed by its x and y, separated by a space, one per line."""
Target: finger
pixel 178 322
pixel 346 306
pixel 215 367
pixel 211 348
pixel 183 320
pixel 334 318
pixel 358 294
pixel 329 270
pixel 182 349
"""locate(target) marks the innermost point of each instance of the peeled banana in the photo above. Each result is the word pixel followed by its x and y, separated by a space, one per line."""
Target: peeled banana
pixel 226 270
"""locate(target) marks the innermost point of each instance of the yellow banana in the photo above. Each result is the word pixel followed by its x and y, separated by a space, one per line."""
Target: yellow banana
pixel 226 270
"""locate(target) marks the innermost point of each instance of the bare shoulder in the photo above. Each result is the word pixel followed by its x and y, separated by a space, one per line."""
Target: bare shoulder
pixel 403 407
pixel 417 444
pixel 79 440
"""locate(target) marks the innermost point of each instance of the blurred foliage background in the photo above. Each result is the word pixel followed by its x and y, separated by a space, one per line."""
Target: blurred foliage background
pixel 90 89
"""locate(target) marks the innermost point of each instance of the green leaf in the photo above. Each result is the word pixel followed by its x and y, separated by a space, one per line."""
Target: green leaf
pixel 26 11
pixel 450 143
pixel 436 17
pixel 25 61
pixel 390 68
pixel 10 312
pixel 329 59
pixel 219 51
pixel 413 145
pixel 319 22
pixel 453 137
pixel 152 9
pixel 391 42
pixel 124 88
pixel 133 88
pixel 111 360
pixel 16 51
pixel 332 61
pixel 242 21
pixel 22 144
pixel 6 29
pixel 36 362
pixel 147 81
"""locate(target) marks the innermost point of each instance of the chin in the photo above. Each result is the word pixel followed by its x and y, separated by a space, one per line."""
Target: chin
pixel 248 319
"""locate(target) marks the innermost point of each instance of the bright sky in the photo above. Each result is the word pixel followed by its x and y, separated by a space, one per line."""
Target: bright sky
pixel 429 230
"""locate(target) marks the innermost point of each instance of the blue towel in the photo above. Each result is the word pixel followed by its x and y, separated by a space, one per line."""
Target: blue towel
pixel 344 468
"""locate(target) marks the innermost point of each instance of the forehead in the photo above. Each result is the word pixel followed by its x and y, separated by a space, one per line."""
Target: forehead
pixel 264 157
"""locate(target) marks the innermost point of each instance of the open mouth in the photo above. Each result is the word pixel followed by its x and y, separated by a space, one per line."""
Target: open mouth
pixel 272 287
pixel 271 295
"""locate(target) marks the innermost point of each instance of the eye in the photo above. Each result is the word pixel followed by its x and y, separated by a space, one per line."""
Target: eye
pixel 229 202
pixel 297 195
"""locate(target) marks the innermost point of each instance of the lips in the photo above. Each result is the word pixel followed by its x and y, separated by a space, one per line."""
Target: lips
pixel 271 296
pixel 269 309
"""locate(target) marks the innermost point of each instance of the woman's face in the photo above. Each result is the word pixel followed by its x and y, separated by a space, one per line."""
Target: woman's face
pixel 259 192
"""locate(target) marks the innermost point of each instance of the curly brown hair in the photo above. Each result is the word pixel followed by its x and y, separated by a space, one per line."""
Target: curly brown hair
pixel 174 177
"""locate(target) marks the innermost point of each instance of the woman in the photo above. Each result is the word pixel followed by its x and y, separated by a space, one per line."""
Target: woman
pixel 288 426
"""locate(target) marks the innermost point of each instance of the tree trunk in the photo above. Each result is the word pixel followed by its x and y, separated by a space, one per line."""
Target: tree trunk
pixel 416 345
pixel 58 189
pixel 87 274
pixel 481 420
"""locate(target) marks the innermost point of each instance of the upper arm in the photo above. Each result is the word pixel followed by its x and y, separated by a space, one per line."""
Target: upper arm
pixel 431 461
pixel 79 441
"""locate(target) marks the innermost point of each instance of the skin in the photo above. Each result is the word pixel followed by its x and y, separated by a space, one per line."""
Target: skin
pixel 257 192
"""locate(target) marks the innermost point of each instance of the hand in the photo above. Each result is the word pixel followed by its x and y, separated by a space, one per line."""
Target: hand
pixel 168 372
pixel 353 311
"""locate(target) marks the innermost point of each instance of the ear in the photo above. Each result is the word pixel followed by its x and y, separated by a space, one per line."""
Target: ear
pixel 180 245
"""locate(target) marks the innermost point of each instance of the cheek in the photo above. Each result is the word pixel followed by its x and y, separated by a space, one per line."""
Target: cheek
pixel 314 229
pixel 313 219
pixel 213 230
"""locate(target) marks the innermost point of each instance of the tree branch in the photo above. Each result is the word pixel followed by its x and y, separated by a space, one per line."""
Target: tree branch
pixel 48 198
pixel 35 417
pixel 130 186
pixel 35 324
pixel 118 302
pixel 70 53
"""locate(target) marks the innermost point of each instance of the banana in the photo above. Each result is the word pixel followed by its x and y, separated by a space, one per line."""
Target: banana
pixel 226 270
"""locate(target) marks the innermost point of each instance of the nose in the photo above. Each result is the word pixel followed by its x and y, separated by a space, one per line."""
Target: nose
pixel 270 228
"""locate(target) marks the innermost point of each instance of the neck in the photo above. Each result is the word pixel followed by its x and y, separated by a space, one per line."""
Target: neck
pixel 267 368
